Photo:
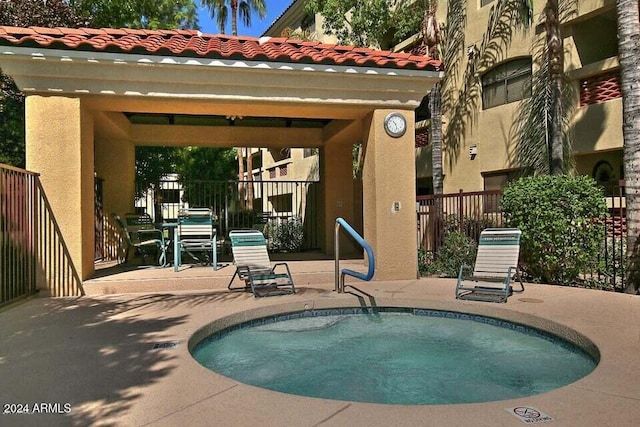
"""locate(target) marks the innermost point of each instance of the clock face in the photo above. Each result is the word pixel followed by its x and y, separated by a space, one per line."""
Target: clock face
pixel 395 125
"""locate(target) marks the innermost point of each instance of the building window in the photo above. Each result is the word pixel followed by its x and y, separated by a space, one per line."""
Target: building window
pixel 282 203
pixel 169 195
pixel 280 154
pixel 308 23
pixel 483 3
pixel 283 170
pixel 309 152
pixel 506 83
pixel 272 173
pixel 257 160
pixel 495 182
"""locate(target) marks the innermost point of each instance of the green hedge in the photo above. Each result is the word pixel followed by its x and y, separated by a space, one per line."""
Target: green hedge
pixel 562 223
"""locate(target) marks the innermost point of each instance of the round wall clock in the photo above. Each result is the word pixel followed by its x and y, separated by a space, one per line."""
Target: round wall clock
pixel 395 125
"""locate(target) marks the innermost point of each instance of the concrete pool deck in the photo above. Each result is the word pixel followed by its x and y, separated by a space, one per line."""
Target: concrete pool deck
pixel 96 354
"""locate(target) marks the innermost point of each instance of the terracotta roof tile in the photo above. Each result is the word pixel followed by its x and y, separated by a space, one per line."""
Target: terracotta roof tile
pixel 191 43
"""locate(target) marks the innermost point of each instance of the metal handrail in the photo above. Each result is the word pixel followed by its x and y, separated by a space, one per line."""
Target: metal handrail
pixel 339 276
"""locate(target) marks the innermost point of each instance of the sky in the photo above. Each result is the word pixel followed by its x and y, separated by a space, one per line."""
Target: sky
pixel 258 26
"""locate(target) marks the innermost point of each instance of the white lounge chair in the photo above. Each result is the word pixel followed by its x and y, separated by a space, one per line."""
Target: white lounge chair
pixel 496 265
pixel 253 266
pixel 196 234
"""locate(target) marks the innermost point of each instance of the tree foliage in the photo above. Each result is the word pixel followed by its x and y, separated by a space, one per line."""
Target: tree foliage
pixel 375 23
pixel 11 123
pixel 153 164
pixel 49 13
pixel 197 164
pixel 206 163
pixel 148 14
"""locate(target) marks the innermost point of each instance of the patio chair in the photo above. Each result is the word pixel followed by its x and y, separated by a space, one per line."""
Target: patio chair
pixel 139 233
pixel 253 266
pixel 496 265
pixel 196 236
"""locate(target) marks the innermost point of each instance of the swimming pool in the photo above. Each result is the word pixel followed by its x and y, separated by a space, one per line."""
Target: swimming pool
pixel 394 356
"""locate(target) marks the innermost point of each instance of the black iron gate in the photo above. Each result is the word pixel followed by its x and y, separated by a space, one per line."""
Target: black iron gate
pixel 239 204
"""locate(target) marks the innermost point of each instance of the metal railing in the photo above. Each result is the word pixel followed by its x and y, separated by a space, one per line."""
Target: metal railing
pixel 339 275
pixel 472 212
pixel 236 207
pixel 466 212
pixel 33 254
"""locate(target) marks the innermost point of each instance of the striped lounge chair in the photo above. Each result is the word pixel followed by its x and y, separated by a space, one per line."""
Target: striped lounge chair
pixel 253 266
pixel 496 265
pixel 196 236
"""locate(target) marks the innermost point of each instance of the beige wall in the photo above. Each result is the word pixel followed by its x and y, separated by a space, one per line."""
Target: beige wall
pixel 386 181
pixel 59 141
pixel 596 127
pixel 115 160
pixel 338 195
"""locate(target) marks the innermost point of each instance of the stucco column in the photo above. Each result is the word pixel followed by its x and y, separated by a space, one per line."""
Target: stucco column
pixel 336 164
pixel 59 145
pixel 389 197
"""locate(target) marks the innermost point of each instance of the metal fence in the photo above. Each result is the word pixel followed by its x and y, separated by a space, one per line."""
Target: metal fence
pixel 239 204
pixel 469 213
pixel 472 212
pixel 33 254
pixel 614 248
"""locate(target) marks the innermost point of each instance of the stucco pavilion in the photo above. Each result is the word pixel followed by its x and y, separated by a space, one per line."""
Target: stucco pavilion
pixel 81 84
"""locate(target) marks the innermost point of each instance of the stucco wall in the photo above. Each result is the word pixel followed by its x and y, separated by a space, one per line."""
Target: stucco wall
pixel 59 145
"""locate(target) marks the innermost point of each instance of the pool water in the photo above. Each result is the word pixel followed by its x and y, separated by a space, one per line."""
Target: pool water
pixel 395 358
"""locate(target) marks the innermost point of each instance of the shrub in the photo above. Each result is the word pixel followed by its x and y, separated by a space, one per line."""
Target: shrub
pixel 456 250
pixel 284 236
pixel 426 265
pixel 562 225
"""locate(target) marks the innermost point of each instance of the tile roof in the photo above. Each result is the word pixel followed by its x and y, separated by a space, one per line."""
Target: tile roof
pixel 191 43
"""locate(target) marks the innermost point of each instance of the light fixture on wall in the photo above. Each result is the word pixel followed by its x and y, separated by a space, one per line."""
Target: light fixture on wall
pixel 473 151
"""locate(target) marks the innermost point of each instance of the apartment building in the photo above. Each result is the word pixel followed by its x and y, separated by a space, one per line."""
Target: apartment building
pixel 483 157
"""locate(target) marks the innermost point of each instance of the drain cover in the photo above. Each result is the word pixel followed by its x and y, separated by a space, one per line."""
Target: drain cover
pixel 165 345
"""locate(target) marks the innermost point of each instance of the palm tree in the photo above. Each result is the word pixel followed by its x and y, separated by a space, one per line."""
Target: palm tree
pixel 628 51
pixel 555 52
pixel 220 10
pixel 547 149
